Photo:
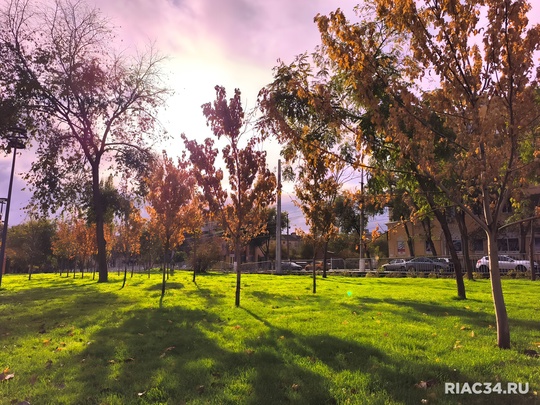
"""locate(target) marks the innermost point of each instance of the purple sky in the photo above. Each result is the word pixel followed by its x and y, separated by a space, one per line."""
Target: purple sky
pixel 234 43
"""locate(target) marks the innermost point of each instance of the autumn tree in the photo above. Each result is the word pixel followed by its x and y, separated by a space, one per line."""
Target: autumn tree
pixel 128 232
pixel 479 103
pixel 74 243
pixel 92 108
pixel 304 109
pixel 240 207
pixel 172 206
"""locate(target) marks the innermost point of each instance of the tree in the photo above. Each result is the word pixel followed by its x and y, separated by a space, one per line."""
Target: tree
pixel 252 186
pixel 173 207
pixel 92 109
pixel 482 92
pixel 74 242
pixel 128 235
pixel 263 240
pixel 30 245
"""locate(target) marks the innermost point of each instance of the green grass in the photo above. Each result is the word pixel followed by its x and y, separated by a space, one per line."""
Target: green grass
pixel 357 341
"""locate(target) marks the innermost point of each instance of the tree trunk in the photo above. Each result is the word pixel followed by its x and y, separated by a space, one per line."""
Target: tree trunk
pixel 100 226
pixel 426 224
pixel 325 258
pixel 531 252
pixel 314 271
pixel 523 231
pixel 238 272
pixel 410 241
pixel 125 276
pixel 460 219
pixel 453 254
pixel 501 317
pixel 195 240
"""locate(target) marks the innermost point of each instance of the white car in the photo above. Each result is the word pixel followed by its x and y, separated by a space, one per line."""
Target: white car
pixel 505 263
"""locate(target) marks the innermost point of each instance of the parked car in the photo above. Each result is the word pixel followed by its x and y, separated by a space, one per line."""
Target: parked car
pixel 290 266
pixel 425 264
pixel 505 263
pixel 318 266
pixel 394 265
pixel 445 260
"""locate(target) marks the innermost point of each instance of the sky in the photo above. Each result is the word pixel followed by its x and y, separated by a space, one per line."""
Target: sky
pixel 233 43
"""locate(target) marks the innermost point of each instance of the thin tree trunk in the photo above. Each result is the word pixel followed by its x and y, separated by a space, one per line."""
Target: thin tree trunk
pixel 501 316
pixel 531 252
pixel 460 219
pixel 125 277
pixel 314 271
pixel 453 254
pixel 238 273
pixel 99 210
pixel 410 241
pixel 426 224
pixel 325 258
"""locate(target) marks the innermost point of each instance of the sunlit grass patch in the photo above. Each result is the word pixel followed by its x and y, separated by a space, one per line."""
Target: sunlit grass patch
pixel 364 341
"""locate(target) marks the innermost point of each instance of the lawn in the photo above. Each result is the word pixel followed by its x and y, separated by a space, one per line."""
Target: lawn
pixel 357 341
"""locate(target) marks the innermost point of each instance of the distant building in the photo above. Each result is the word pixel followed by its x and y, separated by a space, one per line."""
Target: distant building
pixel 512 240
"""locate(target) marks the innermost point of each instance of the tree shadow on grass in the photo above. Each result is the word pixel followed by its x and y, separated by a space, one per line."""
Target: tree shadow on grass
pixel 417 309
pixel 167 356
pixel 359 371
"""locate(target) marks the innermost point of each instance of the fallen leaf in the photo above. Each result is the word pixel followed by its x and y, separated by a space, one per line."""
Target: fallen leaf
pixel 47 342
pixel 5 377
pixel 425 384
pixel 250 351
pixel 140 394
pixel 237 327
pixel 129 359
pixel 200 389
pixel 472 333
pixel 33 379
pixel 295 387
pixel 48 364
pixel 168 349
pixel 464 328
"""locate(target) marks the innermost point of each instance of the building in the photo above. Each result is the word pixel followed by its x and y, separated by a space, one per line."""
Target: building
pixel 513 240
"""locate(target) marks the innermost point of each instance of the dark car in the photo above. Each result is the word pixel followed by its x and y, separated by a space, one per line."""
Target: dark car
pixel 425 264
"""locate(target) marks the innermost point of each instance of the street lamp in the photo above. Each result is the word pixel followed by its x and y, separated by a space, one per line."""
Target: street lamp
pixel 16 139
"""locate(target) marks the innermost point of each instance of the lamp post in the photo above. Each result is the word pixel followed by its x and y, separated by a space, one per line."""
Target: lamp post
pixel 16 140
